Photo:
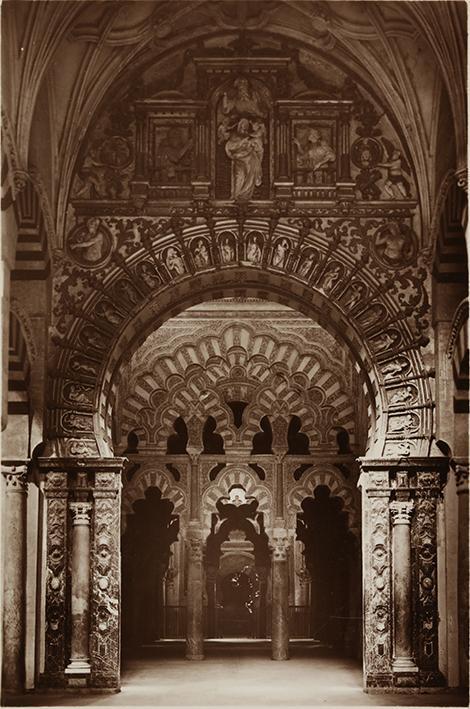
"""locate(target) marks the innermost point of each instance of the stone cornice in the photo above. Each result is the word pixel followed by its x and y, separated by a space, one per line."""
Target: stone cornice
pixel 411 463
pixel 66 465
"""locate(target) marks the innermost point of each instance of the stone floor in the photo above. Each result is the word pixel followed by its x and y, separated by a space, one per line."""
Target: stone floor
pixel 241 675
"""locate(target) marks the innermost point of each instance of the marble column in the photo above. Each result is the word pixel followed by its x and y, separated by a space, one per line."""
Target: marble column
pixel 401 512
pixel 280 598
pixel 14 579
pixel 194 603
pixel 80 601
pixel 461 477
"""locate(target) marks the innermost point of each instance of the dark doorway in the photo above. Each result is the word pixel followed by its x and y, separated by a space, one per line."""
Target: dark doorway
pixel 333 561
pixel 146 551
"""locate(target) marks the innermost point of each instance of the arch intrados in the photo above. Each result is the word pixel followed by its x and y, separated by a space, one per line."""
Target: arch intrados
pixel 273 287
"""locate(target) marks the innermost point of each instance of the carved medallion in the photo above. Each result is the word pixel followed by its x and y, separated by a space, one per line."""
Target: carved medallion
pixel 394 245
pixel 90 245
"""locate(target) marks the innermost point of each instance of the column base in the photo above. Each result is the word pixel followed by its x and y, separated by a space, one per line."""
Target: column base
pixel 404 664
pixel 78 667
pixel 195 657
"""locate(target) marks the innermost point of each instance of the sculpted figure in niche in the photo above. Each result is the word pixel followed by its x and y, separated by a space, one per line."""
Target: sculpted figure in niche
pixel 227 250
pixel 90 243
pixel 253 250
pixel 306 265
pixel 242 130
pixel 79 366
pixel 174 262
pixel 315 152
pixel 331 277
pixel 280 253
pixel 356 292
pixel 105 310
pixel 244 100
pixel 201 254
pixel 173 158
pixel 149 274
pixel 394 369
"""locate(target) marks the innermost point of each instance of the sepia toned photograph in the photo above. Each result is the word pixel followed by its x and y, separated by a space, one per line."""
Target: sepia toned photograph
pixel 235 389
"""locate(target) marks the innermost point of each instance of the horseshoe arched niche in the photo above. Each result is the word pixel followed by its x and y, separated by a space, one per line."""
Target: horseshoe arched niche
pixel 205 362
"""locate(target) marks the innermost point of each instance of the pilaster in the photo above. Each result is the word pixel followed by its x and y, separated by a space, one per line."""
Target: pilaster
pixel 400 571
pixel 83 565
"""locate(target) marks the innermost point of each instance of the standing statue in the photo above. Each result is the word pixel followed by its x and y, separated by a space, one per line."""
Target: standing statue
pixel 245 149
pixel 242 131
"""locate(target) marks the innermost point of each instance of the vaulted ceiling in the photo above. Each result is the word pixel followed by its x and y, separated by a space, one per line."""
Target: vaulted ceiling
pixel 66 59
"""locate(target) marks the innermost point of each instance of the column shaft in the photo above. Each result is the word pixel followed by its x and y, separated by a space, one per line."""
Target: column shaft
pixel 194 604
pixel 80 582
pixel 462 571
pixel 280 597
pixel 402 609
pixel 14 593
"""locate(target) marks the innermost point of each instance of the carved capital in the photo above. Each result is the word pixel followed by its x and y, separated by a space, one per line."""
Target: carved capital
pixel 401 512
pixel 461 478
pixel 81 513
pixel 195 549
pixel 462 178
pixel 16 478
pixel 280 544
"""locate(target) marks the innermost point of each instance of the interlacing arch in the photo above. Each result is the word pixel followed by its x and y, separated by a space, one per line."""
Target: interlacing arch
pixel 382 329
pixel 329 476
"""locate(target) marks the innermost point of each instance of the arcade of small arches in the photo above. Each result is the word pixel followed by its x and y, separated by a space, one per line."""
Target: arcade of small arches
pixel 236 392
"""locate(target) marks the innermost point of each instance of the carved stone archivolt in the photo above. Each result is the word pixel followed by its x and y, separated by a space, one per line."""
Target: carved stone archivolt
pixel 250 190
pixel 394 350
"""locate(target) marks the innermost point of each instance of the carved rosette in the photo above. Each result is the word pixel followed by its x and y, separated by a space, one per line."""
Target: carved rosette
pixel 424 565
pixel 56 578
pixel 461 479
pixel 105 582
